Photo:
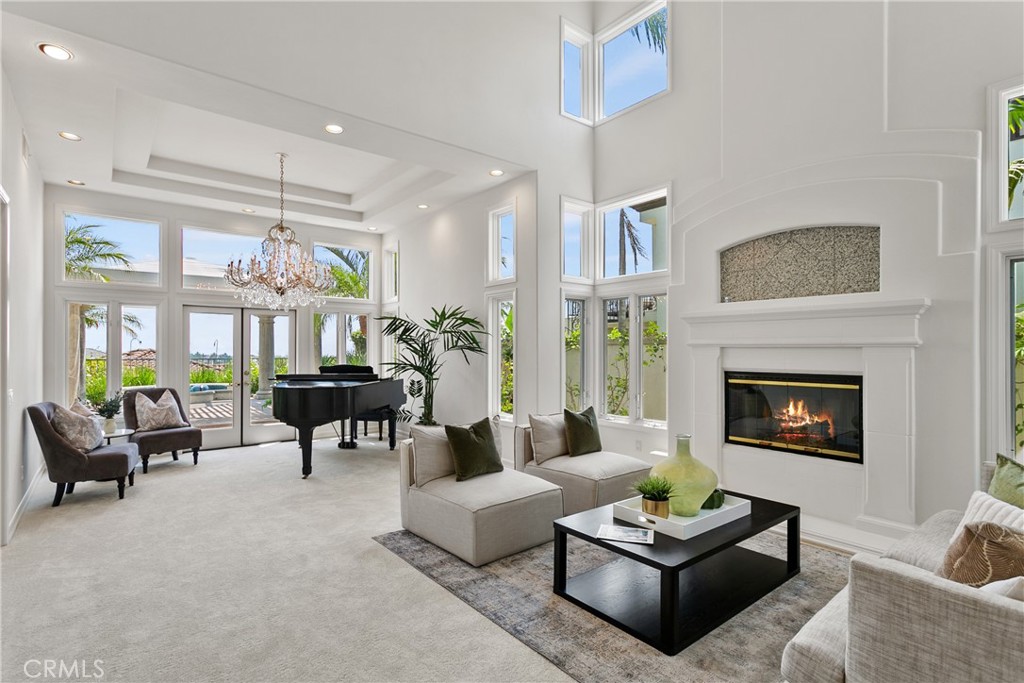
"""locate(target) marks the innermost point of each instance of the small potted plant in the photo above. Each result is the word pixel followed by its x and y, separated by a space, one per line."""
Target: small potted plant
pixel 108 408
pixel 655 490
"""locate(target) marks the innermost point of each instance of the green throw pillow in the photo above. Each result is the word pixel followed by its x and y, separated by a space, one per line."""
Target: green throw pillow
pixel 1008 481
pixel 581 431
pixel 473 450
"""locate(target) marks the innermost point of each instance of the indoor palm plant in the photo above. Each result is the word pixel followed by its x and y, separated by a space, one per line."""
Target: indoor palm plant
pixel 421 347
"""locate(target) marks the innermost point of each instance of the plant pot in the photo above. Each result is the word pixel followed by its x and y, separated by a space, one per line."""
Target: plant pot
pixel 658 508
pixel 109 426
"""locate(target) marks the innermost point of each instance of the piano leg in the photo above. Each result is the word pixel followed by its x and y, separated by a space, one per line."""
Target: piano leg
pixel 392 422
pixel 306 444
pixel 352 431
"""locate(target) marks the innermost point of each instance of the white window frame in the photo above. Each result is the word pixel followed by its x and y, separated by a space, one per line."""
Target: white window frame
pixel 635 357
pixel 371 286
pixel 341 308
pixel 999 392
pixel 613 31
pixel 586 212
pixel 599 242
pixel 570 33
pixel 392 274
pixel 62 210
pixel 494 322
pixel 584 295
pixel 998 159
pixel 494 248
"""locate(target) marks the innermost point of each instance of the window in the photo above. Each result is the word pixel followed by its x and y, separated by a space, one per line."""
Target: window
pixel 574 335
pixel 633 61
pixel 350 338
pixel 635 236
pixel 577 56
pixel 86 351
pixel 634 358
pixel 576 219
pixel 1016 362
pixel 205 255
pixel 138 346
pixel 502 354
pixel 653 390
pixel 391 272
pixel 1013 162
pixel 105 249
pixel 503 245
pixel 350 269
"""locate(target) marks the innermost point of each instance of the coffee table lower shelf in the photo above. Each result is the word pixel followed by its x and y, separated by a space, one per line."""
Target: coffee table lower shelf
pixel 628 595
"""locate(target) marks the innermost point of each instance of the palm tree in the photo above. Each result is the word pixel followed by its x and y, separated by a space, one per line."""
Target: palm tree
pixel 655 29
pixel 351 280
pixel 84 252
pixel 1015 121
pixel 419 355
pixel 629 233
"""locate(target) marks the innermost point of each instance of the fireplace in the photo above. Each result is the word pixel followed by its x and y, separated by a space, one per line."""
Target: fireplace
pixel 816 415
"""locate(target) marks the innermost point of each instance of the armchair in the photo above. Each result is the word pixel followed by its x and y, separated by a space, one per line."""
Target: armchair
pixel 156 441
pixel 66 465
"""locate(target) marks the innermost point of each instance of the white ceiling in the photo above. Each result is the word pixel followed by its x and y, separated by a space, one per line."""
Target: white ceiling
pixel 155 129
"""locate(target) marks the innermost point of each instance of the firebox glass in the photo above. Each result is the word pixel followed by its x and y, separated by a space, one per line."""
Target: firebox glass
pixel 817 415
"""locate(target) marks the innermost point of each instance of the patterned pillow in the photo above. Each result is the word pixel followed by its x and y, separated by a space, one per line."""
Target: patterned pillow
pixel 80 408
pixel 84 433
pixel 983 553
pixel 163 414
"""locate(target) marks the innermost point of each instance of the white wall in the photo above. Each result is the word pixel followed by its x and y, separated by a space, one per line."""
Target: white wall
pixel 21 460
pixel 786 114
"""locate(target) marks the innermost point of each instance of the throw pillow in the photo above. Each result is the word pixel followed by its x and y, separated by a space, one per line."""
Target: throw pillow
pixel 84 433
pixel 80 408
pixel 433 454
pixel 581 431
pixel 1008 588
pixel 473 450
pixel 163 414
pixel 1008 481
pixel 548 435
pixel 985 508
pixel 983 553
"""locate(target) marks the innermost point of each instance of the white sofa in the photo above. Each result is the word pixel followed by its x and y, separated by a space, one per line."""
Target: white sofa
pixel 588 481
pixel 898 621
pixel 481 519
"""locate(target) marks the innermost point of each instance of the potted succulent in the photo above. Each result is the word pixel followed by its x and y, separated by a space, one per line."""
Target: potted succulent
pixel 108 408
pixel 655 490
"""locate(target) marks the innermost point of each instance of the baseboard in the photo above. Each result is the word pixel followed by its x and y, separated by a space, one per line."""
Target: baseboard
pixel 837 536
pixel 12 525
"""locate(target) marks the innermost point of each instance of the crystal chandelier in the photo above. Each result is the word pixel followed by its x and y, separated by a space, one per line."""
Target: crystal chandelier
pixel 286 277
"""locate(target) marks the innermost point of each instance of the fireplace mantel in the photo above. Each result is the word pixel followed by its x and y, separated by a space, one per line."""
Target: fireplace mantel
pixel 799 323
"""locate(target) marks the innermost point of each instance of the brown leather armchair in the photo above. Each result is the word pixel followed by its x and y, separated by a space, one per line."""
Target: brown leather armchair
pixel 155 441
pixel 66 465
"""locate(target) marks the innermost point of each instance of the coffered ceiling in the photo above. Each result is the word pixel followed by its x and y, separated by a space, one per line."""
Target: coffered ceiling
pixel 156 129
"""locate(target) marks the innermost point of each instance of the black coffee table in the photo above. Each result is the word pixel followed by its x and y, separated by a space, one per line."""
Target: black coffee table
pixel 675 592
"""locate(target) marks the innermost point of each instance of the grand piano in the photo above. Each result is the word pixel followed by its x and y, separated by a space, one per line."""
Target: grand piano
pixel 308 401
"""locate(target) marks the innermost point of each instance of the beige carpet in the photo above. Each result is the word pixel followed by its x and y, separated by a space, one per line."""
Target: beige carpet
pixel 239 570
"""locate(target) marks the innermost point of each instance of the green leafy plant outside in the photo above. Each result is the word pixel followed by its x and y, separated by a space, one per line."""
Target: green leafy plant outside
pixel 1018 376
pixel 1015 172
pixel 654 487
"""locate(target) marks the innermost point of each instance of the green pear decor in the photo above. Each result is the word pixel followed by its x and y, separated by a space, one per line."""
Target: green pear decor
pixel 692 480
pixel 714 501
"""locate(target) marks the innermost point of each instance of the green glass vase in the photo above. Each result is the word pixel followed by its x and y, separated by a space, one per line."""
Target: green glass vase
pixel 692 480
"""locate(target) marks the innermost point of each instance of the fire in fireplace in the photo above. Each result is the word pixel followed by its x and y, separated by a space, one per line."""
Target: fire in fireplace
pixel 817 415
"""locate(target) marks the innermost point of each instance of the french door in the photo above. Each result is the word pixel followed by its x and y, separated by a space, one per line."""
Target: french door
pixel 232 357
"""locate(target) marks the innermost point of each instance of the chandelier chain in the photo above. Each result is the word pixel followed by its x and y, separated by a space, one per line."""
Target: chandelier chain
pixel 281 156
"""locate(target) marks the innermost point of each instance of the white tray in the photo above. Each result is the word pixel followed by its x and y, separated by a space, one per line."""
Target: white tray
pixel 682 527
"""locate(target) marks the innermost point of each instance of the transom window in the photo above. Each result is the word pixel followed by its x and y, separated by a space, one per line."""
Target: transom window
pixel 106 249
pixel 502 244
pixel 350 269
pixel 635 236
pixel 205 255
pixel 1014 161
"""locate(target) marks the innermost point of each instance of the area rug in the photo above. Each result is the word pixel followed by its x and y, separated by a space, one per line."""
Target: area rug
pixel 515 593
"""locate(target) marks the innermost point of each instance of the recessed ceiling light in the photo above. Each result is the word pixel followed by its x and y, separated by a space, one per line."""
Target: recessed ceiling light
pixel 77 183
pixel 55 51
pixel 334 129
pixel 69 136
pixel 422 206
pixel 371 228
pixel 248 210
pixel 497 172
